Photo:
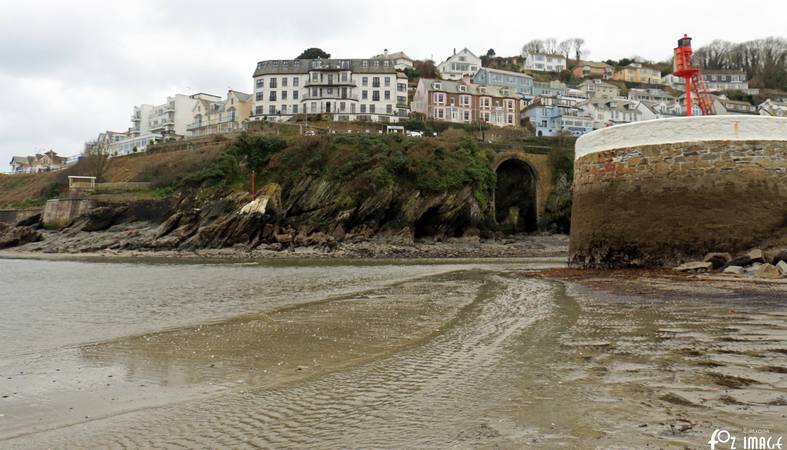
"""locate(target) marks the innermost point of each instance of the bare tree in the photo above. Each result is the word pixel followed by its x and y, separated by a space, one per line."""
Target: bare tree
pixel 97 158
pixel 550 45
pixel 564 48
pixel 577 43
pixel 534 46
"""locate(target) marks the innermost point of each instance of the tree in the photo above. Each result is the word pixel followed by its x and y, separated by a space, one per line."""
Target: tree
pixel 534 46
pixel 97 158
pixel 485 59
pixel 564 47
pixel 426 69
pixel 577 44
pixel 257 150
pixel 313 53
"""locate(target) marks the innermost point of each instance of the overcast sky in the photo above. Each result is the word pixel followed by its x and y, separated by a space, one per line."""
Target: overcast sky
pixel 70 69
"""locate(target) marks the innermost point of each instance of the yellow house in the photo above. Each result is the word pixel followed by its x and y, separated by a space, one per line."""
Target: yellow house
pixel 635 72
pixel 213 115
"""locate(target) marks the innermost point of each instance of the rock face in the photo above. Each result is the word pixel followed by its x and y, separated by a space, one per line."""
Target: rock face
pixel 643 199
pixel 11 236
pixel 313 214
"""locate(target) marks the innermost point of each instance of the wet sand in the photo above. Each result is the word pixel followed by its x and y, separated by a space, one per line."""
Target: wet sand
pixel 460 356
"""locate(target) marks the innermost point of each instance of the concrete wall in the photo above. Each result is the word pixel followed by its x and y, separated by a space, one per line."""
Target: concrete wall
pixel 665 191
pixel 61 212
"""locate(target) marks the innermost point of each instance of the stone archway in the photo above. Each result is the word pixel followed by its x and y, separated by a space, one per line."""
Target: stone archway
pixel 516 199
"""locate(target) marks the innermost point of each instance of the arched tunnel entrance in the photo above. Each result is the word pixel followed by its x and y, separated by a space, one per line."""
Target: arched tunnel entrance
pixel 515 197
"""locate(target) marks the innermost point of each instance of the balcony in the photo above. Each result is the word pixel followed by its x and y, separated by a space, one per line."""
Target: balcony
pixel 351 98
pixel 331 83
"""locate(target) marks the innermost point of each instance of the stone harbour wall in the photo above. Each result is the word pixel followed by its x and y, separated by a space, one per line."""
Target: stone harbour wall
pixel 653 203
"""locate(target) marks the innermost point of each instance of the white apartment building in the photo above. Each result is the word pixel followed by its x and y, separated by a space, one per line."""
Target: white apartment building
pixel 345 89
pixel 543 62
pixel 596 88
pixel 461 63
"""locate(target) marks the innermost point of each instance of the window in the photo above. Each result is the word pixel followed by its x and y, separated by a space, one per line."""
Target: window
pixel 284 109
pixel 272 96
pixel 371 108
pixel 365 81
pixel 296 81
pixel 387 95
pixel 315 76
pixel 401 100
pixel 259 96
pixel 342 106
pixel 284 82
pixel 466 116
pixel 260 82
pixel 295 94
pixel 439 98
pixel 344 76
pixel 389 109
pixel 437 86
pixel 272 84
pixel 284 95
pixel 375 96
pixel 258 111
pixel 295 107
pixel 462 88
pixel 363 109
pixel 401 87
pixel 364 95
pixel 387 81
pixel 315 92
pixel 365 64
pixel 376 82
pixel 271 110
pixel 314 107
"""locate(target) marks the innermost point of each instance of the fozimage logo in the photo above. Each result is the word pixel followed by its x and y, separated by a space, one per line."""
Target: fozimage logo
pixel 723 439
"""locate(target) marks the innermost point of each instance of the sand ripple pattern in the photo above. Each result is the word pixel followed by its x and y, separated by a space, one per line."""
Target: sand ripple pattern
pixel 425 396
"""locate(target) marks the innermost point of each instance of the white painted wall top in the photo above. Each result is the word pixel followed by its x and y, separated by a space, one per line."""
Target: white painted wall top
pixel 683 129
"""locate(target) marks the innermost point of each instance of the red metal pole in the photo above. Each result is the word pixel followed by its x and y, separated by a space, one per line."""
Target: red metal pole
pixel 688 96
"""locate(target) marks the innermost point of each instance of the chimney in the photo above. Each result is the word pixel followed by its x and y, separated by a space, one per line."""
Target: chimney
pixel 385 52
pixel 466 79
pixel 454 51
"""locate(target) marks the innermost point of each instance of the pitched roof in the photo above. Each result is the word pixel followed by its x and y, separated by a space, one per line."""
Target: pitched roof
pixel 302 66
pixel 394 55
pixel 505 72
pixel 473 89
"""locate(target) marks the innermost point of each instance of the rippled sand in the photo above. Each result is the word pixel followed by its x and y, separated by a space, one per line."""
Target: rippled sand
pixel 469 356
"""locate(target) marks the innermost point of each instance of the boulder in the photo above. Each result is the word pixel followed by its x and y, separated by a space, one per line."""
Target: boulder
pixel 718 260
pixel 11 236
pixel 768 271
pixel 779 255
pixel 735 270
pixel 756 255
pixel 782 266
pixel 694 266
pixel 740 261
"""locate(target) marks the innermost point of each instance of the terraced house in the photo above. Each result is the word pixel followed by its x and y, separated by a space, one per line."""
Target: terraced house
pixel 343 89
pixel 463 102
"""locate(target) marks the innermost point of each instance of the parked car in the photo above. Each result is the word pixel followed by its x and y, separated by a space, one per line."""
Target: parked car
pixel 309 133
pixel 415 133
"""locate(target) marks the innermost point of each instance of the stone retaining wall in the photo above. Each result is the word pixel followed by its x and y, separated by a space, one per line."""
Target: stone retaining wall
pixel 61 212
pixel 661 203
